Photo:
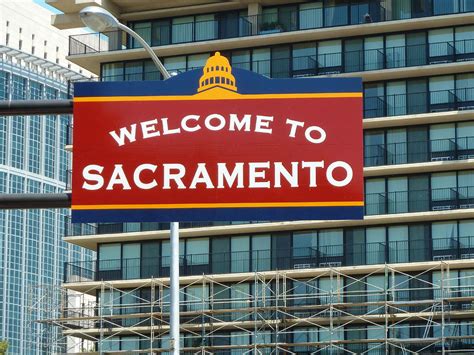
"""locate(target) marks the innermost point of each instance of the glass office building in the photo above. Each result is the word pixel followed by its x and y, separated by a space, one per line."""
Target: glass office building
pixel 401 281
pixel 33 159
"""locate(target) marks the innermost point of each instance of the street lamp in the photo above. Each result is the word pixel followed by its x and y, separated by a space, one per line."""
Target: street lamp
pixel 100 20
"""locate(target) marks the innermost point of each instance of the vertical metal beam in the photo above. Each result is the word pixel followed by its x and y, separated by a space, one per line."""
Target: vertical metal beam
pixel 174 288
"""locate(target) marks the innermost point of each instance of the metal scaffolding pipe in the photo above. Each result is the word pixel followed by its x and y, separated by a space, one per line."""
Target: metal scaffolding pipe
pixel 29 201
pixel 35 107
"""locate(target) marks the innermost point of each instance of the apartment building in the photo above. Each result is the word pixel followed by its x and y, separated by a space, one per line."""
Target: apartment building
pixel 401 281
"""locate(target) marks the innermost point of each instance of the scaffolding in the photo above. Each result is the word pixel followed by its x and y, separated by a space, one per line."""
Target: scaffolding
pixel 412 308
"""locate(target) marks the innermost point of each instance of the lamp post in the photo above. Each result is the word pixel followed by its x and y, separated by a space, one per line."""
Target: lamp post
pixel 99 20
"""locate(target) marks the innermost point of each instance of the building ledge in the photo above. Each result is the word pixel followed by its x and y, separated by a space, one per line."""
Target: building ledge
pixel 89 287
pixel 91 241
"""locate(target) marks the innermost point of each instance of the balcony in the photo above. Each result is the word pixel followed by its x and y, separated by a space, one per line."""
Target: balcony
pixel 233 27
pixel 265 260
pixel 419 102
pixel 419 151
pixel 337 62
pixel 419 200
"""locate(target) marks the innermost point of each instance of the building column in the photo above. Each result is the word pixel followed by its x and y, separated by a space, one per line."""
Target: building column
pixel 254 10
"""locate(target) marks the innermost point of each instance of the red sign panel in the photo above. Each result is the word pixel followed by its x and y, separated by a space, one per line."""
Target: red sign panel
pixel 219 154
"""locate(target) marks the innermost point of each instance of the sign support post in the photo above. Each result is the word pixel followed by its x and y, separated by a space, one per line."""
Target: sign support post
pixel 174 288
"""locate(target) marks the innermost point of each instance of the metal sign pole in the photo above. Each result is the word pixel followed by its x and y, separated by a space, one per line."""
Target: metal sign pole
pixel 174 288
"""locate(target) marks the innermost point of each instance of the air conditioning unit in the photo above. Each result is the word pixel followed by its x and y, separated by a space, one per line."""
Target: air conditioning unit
pixel 449 157
pixel 443 257
pixel 443 208
pixel 301 266
pixel 330 264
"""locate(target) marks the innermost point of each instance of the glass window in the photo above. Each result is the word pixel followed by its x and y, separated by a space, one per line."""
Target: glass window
pixel 466 188
pixel 464 39
pixel 443 187
pixel 304 57
pixel 465 137
pixel 375 196
pixel 182 29
pixel 395 51
pixel 330 55
pixel 354 55
pixel 466 284
pixel 398 244
pixel 112 72
pixel 443 7
pixel 374 148
pixel 311 15
pixel 331 242
pixel 261 252
pixel 166 253
pixel 443 141
pixel 175 64
pixel 375 245
pixel 261 61
pixel 240 254
pixel 441 44
pixel 131 261
pixel 197 250
pixel 197 61
pixel 134 71
pixel 241 59
pixel 109 256
pixel 397 195
pixel 373 53
pixel 466 235
pixel 144 31
pixel 206 27
pixel 397 146
pixel 374 105
pixel 240 296
pixel 401 9
pixel 396 98
pixel 465 88
pixel 304 244
pixel 151 72
pixel 441 90
pixel 444 235
pixel 160 32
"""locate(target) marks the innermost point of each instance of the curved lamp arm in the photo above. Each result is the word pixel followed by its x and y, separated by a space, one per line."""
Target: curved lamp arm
pixel 145 45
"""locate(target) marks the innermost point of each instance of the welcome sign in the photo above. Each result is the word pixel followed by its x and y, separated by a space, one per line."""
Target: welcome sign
pixel 218 144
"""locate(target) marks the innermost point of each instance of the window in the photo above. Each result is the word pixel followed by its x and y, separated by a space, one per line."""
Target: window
pixel 375 196
pixel 398 244
pixel 197 251
pixel 330 55
pixel 261 253
pixel 444 235
pixel 331 242
pixel 109 256
pixel 375 245
pixel 206 27
pixel 395 51
pixel 373 53
pixel 240 254
pixel 131 261
pixel 311 15
pixel 441 44
pixel 182 29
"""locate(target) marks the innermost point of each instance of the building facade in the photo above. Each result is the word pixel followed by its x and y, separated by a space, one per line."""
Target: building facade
pixel 400 281
pixel 33 159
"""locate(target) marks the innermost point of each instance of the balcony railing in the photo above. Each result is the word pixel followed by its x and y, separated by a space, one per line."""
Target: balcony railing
pixel 243 26
pixel 339 62
pixel 264 260
pixel 419 200
pixel 419 102
pixel 419 151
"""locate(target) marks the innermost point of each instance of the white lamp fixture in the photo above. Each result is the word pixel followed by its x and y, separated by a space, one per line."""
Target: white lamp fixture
pixel 100 20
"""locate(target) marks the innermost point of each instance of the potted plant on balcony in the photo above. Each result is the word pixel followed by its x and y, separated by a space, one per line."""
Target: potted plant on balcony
pixel 271 27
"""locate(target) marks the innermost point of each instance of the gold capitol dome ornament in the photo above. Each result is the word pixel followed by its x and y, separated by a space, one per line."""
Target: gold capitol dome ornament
pixel 217 73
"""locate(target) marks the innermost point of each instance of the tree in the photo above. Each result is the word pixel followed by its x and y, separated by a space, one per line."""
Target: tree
pixel 3 347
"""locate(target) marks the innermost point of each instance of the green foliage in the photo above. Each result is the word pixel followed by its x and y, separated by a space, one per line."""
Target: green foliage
pixel 3 347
